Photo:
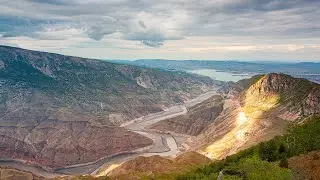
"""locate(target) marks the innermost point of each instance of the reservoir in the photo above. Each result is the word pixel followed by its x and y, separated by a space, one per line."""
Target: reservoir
pixel 220 75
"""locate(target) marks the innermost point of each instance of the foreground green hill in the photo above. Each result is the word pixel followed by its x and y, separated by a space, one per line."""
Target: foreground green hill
pixel 267 160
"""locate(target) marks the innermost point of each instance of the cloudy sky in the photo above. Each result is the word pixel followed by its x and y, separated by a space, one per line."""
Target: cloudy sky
pixel 166 29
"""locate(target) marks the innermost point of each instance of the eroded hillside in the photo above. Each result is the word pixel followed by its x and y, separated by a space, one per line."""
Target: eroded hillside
pixel 59 111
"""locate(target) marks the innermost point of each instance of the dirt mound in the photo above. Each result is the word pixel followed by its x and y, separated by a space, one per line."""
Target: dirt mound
pixel 13 174
pixel 306 166
pixel 192 158
pixel 157 165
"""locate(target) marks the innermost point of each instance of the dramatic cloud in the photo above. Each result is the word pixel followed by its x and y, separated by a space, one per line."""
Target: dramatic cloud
pixel 165 27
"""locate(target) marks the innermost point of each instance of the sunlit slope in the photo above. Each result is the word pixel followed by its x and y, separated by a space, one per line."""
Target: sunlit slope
pixel 260 112
pixel 297 98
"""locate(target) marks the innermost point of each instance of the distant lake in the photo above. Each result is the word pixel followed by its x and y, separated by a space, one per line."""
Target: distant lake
pixel 221 76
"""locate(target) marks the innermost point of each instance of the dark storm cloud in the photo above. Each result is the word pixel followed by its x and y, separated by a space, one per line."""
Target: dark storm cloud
pixel 273 18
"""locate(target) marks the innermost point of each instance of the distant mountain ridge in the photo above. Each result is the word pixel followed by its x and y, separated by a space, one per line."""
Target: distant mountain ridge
pixel 307 70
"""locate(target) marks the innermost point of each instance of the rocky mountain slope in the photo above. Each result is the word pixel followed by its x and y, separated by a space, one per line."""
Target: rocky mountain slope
pixel 256 110
pixel 293 98
pixel 58 111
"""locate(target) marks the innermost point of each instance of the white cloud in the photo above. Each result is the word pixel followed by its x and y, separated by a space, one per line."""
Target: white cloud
pixel 204 29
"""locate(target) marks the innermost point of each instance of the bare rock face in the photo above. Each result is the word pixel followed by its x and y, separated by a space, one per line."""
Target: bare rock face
pixel 58 111
pixel 312 102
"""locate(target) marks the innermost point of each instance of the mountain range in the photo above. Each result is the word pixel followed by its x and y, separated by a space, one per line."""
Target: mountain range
pixel 61 112
pixel 58 111
pixel 307 70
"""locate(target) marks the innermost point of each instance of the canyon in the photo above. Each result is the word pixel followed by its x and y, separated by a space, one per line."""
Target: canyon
pixel 63 116
pixel 59 111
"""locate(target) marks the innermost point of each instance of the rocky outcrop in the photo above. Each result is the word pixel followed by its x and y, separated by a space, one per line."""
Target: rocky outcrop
pixel 58 111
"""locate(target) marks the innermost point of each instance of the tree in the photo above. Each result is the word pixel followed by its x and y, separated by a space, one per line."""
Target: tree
pixel 284 162
pixel 268 151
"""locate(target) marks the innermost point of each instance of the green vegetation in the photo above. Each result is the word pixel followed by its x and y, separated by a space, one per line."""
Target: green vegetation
pixel 267 160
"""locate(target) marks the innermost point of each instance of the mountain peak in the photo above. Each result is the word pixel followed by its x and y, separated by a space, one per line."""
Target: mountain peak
pixel 274 82
pixel 295 95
